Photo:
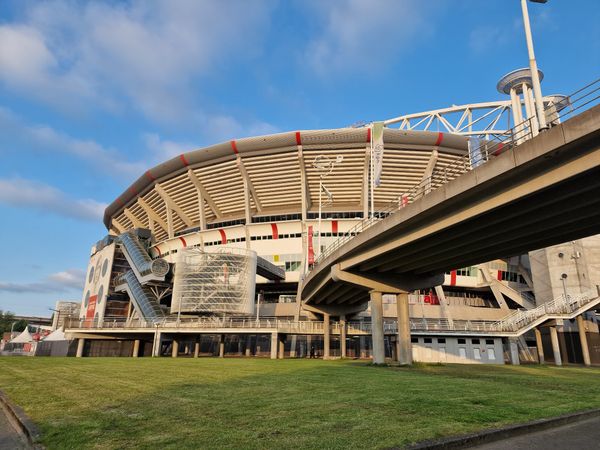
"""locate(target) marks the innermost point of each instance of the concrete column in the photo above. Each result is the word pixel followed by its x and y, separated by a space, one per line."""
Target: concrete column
pixel 514 352
pixel 274 339
pixel 80 344
pixel 281 345
pixel 175 349
pixel 157 344
pixel 293 344
pixel 403 340
pixel 583 339
pixel 540 347
pixel 377 327
pixel 248 342
pixel 555 346
pixel 343 332
pixel 136 348
pixel 326 335
pixel 221 346
pixel 196 348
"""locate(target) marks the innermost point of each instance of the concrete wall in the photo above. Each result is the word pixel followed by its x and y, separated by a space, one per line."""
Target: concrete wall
pixel 579 260
pixel 458 350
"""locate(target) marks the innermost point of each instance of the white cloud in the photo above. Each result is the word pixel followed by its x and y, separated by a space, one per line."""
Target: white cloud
pixel 142 53
pixel 68 280
pixel 363 35
pixel 22 193
pixel 44 138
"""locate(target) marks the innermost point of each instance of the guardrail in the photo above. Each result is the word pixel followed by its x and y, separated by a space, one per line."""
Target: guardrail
pixel 478 154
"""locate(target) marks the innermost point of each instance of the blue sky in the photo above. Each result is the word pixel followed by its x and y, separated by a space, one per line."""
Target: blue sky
pixel 94 93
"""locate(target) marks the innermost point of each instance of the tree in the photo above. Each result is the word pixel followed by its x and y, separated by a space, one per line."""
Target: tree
pixel 6 322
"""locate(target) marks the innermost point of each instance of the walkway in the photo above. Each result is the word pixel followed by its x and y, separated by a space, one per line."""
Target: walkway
pixel 581 435
pixel 9 438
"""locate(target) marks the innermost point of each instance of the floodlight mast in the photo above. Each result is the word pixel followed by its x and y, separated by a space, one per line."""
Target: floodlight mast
pixel 324 166
pixel 535 79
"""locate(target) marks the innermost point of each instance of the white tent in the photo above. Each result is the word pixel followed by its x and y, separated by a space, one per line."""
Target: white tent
pixel 23 338
pixel 56 335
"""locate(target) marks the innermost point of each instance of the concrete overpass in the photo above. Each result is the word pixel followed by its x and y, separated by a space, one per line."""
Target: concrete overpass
pixel 540 193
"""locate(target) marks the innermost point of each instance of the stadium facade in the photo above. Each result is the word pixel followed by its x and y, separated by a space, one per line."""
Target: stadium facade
pixel 205 252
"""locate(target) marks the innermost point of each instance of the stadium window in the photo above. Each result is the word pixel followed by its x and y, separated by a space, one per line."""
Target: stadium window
pixel 475 341
pixel 489 342
pixel 441 340
pixel 462 341
pixel 427 340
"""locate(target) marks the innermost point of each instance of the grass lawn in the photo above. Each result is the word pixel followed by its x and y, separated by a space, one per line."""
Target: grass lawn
pixel 258 403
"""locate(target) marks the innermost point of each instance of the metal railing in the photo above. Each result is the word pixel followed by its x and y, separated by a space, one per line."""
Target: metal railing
pixel 578 101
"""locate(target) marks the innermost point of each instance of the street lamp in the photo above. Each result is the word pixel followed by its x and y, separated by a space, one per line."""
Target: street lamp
pixel 324 166
pixel 535 78
pixel 563 278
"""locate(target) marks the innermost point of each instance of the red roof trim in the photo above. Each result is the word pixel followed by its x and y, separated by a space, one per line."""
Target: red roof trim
pixel 183 160
pixel 234 147
pixel 440 138
pixel 298 138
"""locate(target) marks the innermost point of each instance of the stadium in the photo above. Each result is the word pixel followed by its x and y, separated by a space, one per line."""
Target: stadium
pixel 205 252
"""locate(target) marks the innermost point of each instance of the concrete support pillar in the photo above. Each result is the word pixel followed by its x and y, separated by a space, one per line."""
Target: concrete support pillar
pixel 343 333
pixel 248 342
pixel 175 349
pixel 540 347
pixel 281 345
pixel 80 344
pixel 221 346
pixel 136 348
pixel 326 335
pixel 157 344
pixel 513 348
pixel 583 339
pixel 403 340
pixel 555 346
pixel 274 339
pixel 293 343
pixel 196 348
pixel 377 327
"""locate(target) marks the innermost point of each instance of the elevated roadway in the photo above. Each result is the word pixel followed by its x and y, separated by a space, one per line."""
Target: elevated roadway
pixel 540 193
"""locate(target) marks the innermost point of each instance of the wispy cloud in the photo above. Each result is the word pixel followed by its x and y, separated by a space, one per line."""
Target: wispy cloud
pixel 363 35
pixel 45 138
pixel 23 193
pixel 68 280
pixel 140 55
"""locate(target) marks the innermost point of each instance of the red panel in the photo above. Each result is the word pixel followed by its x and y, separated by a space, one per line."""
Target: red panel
pixel 499 150
pixel 298 138
pixel 234 147
pixel 132 191
pixel 274 231
pixel 499 275
pixel 223 236
pixel 334 226
pixel 183 241
pixel 183 160
pixel 369 134
pixel 91 309
pixel 440 138
pixel 149 175
pixel 453 278
pixel 311 251
pixel 158 250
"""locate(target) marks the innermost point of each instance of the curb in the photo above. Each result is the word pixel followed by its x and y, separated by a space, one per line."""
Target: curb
pixel 483 437
pixel 23 424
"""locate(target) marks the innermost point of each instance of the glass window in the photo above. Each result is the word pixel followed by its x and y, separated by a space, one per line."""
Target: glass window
pixel 427 340
pixel 475 341
pixel 462 341
pixel 104 267
pixel 489 342
pixel 441 340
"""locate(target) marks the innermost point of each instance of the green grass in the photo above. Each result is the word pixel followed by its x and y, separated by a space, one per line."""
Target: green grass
pixel 258 403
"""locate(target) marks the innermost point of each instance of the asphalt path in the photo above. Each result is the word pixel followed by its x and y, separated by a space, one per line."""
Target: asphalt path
pixel 580 435
pixel 9 438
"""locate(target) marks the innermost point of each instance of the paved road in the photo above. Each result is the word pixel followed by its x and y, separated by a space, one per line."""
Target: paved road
pixel 582 435
pixel 9 438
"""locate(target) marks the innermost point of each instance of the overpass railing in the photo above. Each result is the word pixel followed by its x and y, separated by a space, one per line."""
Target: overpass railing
pixel 480 152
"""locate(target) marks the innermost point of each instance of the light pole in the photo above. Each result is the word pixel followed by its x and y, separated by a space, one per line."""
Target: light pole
pixel 324 166
pixel 535 78
pixel 563 278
